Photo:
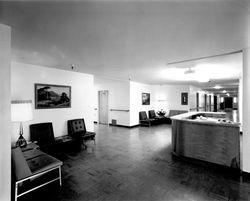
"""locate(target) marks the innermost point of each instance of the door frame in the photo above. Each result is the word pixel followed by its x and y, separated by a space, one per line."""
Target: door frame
pixel 99 92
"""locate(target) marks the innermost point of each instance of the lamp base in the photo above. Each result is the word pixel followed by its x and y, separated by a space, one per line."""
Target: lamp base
pixel 21 142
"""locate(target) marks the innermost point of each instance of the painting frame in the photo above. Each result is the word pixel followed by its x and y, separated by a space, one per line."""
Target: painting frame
pixel 145 98
pixel 52 96
pixel 184 98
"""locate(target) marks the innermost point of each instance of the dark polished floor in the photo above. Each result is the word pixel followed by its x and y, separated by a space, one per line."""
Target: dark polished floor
pixel 137 164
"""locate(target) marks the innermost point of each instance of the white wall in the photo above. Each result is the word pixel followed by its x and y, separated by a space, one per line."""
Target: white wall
pixel 5 124
pixel 172 96
pixel 164 97
pixel 202 100
pixel 23 78
pixel 118 98
pixel 136 90
pixel 127 95
pixel 193 90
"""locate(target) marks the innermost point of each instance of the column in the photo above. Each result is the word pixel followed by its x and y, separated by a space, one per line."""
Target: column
pixel 240 100
pixel 246 111
pixel 5 123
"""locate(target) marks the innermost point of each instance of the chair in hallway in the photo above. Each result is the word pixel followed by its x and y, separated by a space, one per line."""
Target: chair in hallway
pixel 43 135
pixel 144 120
pixel 159 119
pixel 77 129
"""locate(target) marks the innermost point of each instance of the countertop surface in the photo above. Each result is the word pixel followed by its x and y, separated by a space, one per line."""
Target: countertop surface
pixel 213 118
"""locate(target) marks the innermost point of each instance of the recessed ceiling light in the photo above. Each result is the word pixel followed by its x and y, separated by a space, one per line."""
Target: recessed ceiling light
pixel 203 79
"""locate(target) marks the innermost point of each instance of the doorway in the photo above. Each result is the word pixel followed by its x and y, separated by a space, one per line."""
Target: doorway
pixel 197 101
pixel 215 103
pixel 205 102
pixel 228 102
pixel 103 106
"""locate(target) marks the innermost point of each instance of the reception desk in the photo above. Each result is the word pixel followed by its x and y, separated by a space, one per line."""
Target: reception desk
pixel 207 136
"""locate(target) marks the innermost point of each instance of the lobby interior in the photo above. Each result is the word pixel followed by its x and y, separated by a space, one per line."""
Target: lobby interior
pixel 123 49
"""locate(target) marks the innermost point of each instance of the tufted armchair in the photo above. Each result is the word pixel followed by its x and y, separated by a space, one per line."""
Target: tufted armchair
pixel 77 129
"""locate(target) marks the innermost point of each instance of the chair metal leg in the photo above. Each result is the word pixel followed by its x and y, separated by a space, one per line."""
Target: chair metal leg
pixel 60 176
pixel 16 189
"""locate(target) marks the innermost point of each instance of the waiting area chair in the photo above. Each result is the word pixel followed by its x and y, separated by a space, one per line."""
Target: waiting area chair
pixel 77 129
pixel 144 120
pixel 43 135
pixel 152 115
pixel 159 119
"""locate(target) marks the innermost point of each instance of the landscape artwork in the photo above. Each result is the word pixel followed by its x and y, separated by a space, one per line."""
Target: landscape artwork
pixel 49 96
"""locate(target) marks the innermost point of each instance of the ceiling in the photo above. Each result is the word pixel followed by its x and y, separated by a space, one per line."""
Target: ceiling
pixel 130 39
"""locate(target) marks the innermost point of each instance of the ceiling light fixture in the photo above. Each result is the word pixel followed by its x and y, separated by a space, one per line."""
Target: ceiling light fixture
pixel 189 71
pixel 217 87
pixel 224 91
pixel 203 79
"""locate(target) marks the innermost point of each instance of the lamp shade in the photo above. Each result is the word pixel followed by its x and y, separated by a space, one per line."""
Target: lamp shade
pixel 21 110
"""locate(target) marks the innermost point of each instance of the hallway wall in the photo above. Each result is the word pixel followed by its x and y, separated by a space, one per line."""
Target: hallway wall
pixel 5 124
pixel 118 98
pixel 23 78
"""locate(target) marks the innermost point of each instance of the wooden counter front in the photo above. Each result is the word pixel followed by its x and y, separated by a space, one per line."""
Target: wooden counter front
pixel 212 141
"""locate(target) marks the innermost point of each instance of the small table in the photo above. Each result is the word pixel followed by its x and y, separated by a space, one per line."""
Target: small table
pixel 29 163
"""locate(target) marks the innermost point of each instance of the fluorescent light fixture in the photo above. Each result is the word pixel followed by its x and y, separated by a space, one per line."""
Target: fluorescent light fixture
pixel 202 79
pixel 217 87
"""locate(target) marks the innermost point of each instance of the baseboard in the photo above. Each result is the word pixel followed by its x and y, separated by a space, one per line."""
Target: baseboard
pixel 118 125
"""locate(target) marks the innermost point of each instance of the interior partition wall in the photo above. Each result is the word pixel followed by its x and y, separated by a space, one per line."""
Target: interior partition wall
pixel 5 123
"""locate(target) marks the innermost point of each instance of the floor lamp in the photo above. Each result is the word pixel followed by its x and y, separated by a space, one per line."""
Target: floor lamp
pixel 21 111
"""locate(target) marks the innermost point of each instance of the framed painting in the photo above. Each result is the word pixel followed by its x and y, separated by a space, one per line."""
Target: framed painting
pixel 48 96
pixel 184 98
pixel 145 99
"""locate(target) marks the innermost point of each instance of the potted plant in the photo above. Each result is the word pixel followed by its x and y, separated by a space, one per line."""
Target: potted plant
pixel 161 113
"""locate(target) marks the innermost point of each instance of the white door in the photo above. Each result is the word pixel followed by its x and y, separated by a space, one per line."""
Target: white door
pixel 103 107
